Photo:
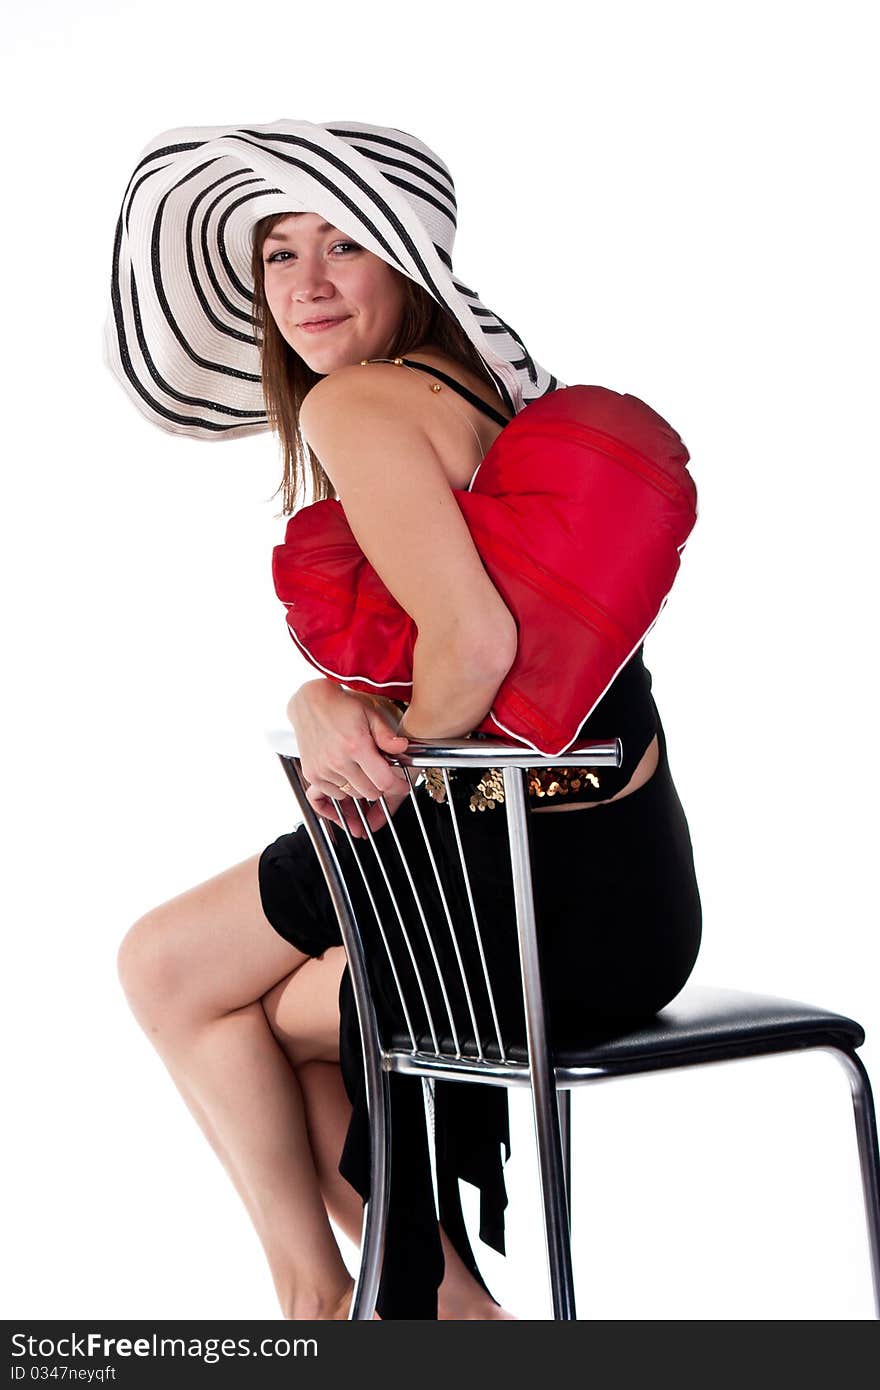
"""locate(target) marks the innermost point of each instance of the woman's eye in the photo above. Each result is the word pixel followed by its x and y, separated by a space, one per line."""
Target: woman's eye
pixel 274 257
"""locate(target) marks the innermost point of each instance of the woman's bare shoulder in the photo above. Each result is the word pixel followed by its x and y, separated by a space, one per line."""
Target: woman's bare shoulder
pixel 460 433
pixel 353 382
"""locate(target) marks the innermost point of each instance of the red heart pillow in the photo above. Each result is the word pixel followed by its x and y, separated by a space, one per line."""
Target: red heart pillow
pixel 580 511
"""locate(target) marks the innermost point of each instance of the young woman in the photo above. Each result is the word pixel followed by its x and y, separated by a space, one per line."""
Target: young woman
pixel 239 983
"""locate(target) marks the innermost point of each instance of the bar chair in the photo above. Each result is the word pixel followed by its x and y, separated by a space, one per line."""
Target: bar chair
pixel 701 1025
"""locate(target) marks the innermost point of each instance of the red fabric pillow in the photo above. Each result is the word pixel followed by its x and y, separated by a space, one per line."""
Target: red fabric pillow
pixel 580 511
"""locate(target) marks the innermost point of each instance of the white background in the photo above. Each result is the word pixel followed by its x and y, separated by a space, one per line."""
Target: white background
pixel 671 200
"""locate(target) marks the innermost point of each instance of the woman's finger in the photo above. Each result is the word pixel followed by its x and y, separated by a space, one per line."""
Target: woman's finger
pixel 382 780
pixel 333 789
pixel 368 770
pixel 325 807
pixel 375 815
pixel 322 801
pixel 372 810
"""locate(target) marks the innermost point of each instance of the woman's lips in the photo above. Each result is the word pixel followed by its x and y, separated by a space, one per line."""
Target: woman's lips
pixel 323 324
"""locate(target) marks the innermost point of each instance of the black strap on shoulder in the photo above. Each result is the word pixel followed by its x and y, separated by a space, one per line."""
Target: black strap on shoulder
pixel 462 390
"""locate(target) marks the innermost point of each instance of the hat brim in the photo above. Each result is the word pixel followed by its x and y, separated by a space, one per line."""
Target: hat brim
pixel 178 335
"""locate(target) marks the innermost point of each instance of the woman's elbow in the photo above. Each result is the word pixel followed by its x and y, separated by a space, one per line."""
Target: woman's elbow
pixel 492 650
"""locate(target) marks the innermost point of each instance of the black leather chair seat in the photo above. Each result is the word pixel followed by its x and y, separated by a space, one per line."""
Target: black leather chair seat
pixel 703 1024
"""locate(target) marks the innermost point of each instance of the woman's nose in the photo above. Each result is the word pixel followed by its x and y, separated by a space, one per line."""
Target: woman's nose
pixel 310 280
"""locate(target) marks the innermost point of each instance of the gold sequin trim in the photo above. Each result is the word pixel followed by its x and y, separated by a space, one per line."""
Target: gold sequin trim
pixel 542 781
pixel 489 791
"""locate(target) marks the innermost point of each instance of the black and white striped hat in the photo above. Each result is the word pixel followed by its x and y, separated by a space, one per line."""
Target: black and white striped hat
pixel 178 334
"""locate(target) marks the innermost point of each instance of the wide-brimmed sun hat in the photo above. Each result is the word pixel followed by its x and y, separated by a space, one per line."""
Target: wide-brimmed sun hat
pixel 179 335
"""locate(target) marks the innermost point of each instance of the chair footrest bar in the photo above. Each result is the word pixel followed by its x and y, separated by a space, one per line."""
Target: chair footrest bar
pixel 456 1068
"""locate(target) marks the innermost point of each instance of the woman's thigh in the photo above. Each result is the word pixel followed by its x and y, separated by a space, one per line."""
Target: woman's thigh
pixel 303 1009
pixel 211 949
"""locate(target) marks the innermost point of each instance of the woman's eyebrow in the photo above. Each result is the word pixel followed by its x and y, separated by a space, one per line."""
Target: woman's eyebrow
pixel 282 236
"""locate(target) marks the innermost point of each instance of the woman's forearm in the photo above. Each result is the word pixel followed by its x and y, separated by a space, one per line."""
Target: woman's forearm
pixel 453 690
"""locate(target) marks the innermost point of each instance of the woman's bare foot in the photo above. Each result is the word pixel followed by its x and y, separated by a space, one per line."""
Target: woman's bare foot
pixel 461 1298
pixel 447 1310
pixel 471 1309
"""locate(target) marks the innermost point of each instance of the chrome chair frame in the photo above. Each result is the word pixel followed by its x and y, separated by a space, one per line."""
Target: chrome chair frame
pixel 550 1079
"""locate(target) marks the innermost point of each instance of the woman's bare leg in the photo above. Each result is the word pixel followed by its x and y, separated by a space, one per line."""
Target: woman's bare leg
pixel 194 971
pixel 328 1111
pixel 203 974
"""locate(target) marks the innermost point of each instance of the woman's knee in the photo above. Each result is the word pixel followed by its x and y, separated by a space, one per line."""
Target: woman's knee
pixel 148 965
pixel 206 952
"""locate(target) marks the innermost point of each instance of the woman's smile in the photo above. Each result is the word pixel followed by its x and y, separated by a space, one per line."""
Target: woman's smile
pixel 319 325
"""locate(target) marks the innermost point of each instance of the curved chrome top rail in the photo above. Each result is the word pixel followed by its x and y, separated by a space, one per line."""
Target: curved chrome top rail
pixel 483 752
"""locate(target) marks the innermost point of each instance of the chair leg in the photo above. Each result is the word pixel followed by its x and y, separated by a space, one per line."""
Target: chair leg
pixel 563 1100
pixel 869 1160
pixel 366 1285
pixel 543 1074
pixel 554 1197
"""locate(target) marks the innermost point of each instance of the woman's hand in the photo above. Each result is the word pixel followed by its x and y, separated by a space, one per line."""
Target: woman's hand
pixel 342 737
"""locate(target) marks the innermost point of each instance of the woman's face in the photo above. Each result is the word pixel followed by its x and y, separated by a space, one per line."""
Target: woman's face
pixel 314 271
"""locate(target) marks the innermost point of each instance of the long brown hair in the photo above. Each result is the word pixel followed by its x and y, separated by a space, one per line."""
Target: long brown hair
pixel 287 379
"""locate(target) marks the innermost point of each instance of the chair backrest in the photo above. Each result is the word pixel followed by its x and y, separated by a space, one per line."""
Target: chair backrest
pixel 436 908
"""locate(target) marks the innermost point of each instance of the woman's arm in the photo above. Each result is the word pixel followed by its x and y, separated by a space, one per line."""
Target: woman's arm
pixel 448 710
pixel 452 690
pixel 397 500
